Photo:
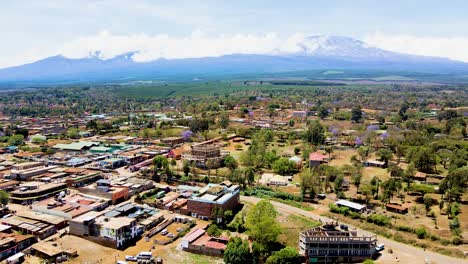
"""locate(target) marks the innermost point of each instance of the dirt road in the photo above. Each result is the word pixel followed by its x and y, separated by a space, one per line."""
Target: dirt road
pixel 402 253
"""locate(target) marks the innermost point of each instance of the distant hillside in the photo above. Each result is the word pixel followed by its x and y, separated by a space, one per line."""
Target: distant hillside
pixel 316 53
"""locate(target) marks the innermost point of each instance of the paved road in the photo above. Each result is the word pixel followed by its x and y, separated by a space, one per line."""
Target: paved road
pixel 405 253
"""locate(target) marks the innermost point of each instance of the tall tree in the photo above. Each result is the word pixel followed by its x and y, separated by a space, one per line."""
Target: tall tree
pixel 237 251
pixel 356 113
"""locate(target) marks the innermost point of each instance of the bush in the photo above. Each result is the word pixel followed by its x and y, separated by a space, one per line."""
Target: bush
pixel 405 229
pixel 380 220
pixel 354 215
pixel 421 232
pixel 444 241
pixel 456 240
pixel 214 230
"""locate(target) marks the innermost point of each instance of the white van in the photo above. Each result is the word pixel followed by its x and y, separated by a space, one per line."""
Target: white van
pixel 144 255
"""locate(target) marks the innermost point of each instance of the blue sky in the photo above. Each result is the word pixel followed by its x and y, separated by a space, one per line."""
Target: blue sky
pixel 37 29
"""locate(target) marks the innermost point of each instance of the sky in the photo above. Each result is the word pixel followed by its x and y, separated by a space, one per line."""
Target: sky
pixel 32 30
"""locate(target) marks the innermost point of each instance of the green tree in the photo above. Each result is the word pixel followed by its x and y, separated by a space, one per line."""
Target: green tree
pixel 16 140
pixel 356 114
pixel 186 167
pixel 356 177
pixel 287 255
pixel 364 152
pixel 284 166
pixel 385 155
pixel 237 252
pixel 249 175
pixel 73 133
pixel 261 223
pixel 3 197
pixel 425 160
pixel 315 133
pixel 230 162
pixel 224 120
pixel 160 163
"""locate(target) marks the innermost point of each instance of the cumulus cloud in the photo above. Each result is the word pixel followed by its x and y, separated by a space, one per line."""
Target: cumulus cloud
pixel 198 44
pixel 453 48
pixel 151 47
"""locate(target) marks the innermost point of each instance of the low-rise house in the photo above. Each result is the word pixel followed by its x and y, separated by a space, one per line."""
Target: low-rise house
pixel 317 158
pixel 199 242
pixel 79 146
pixel 374 163
pixel 397 208
pixel 273 179
pixel 172 141
pixel 30 172
pixel 11 243
pixel 355 207
pixel 104 189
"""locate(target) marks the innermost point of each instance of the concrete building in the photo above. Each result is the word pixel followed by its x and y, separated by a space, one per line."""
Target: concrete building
pixel 213 196
pixel 336 244
pixel 201 154
pixel 35 191
pixel 114 232
pixel 355 207
pixel 317 158
pixel 10 244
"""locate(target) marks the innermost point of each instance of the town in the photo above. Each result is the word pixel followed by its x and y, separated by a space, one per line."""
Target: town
pixel 253 177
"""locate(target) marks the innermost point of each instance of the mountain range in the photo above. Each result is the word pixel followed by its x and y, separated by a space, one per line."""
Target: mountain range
pixel 314 53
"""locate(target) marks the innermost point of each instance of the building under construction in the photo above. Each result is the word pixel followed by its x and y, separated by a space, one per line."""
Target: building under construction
pixel 332 243
pixel 205 155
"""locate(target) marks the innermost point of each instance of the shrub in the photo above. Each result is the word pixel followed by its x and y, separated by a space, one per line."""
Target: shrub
pixel 213 230
pixel 421 232
pixel 405 229
pixel 444 241
pixel 456 240
pixel 354 215
pixel 380 220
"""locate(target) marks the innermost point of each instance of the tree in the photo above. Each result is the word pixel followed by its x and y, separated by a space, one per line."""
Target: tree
pixel 409 174
pixel 356 114
pixel 323 112
pixel 284 166
pixel 385 155
pixel 445 156
pixel 249 175
pixel 186 167
pixel 160 162
pixel 3 198
pixel 425 160
pixel 224 120
pixel 16 140
pixel 73 133
pixel 237 251
pixel 329 151
pixel 454 185
pixel 230 162
pixel 356 177
pixel 261 223
pixel 427 202
pixel 214 230
pixel 287 255
pixel 338 183
pixel 363 152
pixel 315 133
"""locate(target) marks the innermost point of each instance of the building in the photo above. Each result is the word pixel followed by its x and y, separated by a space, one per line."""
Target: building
pixel 355 207
pixel 35 191
pixel 211 197
pixel 202 154
pixel 104 189
pixel 317 158
pixel 70 207
pixel 199 242
pixel 82 178
pixel 172 141
pixel 115 232
pixel 374 163
pixel 37 224
pixel 299 114
pixel 273 179
pixel 333 244
pixel 397 208
pixel 79 146
pixel 24 173
pixel 10 244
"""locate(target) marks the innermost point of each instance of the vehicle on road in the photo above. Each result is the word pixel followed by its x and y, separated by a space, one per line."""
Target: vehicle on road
pixel 130 258
pixel 380 247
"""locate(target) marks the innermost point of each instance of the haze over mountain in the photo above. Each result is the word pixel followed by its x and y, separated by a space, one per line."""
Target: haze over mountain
pixel 312 53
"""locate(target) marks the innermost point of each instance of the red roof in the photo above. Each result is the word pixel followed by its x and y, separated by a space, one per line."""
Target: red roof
pixel 317 156
pixel 215 245
pixel 190 237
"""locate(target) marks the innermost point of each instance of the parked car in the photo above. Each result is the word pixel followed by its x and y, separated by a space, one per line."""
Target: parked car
pixel 130 258
pixel 380 247
pixel 179 229
pixel 164 232
pixel 170 235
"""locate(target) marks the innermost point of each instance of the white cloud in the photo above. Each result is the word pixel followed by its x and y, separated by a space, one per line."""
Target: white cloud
pixel 200 44
pixel 455 48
